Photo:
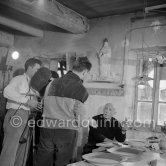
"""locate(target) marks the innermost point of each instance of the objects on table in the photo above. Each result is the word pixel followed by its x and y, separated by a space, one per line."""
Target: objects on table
pixel 103 158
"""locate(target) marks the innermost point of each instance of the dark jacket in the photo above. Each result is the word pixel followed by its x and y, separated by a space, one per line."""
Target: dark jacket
pixel 111 129
pixel 63 100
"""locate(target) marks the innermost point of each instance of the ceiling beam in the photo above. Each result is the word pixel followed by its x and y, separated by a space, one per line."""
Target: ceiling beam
pixel 147 9
pixel 52 12
pixel 21 27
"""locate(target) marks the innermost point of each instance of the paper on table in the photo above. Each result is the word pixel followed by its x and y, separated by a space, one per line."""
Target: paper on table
pixel 105 144
pixel 135 140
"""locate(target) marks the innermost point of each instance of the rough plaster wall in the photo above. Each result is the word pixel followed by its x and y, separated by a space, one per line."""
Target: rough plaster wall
pixel 94 105
pixel 114 28
pixel 6 42
pixel 148 35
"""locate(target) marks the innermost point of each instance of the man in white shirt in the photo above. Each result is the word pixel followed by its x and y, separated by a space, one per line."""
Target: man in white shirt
pixel 18 105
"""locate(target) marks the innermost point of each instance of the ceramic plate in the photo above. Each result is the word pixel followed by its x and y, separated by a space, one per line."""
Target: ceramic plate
pixel 103 158
pixel 125 151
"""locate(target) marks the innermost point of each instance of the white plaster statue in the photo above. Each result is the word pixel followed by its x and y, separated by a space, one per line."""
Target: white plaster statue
pixel 104 61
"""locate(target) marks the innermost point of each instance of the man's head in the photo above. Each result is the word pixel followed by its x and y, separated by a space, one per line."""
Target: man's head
pixel 82 67
pixel 31 66
pixel 109 111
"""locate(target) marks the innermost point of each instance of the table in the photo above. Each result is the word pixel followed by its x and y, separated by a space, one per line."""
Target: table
pixel 142 160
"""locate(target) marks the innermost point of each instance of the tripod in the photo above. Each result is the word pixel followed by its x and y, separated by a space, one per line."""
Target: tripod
pixel 28 140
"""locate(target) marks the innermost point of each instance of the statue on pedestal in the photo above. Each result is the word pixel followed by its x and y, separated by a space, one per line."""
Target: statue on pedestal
pixel 104 61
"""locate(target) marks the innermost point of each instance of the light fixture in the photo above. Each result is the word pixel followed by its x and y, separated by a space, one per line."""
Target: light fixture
pixel 15 55
pixel 150 59
pixel 141 84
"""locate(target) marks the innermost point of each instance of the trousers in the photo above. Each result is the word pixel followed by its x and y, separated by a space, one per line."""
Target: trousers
pixel 13 153
pixel 56 147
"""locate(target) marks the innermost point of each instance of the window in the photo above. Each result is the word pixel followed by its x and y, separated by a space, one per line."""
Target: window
pixel 62 68
pixel 161 116
pixel 150 103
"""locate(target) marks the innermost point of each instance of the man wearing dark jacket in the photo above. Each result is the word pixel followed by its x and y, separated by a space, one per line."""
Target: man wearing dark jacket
pixel 108 128
pixel 63 112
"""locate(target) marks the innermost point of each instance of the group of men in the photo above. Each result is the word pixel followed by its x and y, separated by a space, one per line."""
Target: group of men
pixel 63 102
pixel 62 111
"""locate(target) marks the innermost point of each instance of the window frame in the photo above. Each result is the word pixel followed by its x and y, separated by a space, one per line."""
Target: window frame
pixel 155 99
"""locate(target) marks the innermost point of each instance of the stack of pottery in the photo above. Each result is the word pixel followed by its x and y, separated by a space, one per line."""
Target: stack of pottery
pixel 153 142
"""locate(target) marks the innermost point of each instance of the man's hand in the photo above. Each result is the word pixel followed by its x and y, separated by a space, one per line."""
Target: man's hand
pixel 125 125
pixel 34 104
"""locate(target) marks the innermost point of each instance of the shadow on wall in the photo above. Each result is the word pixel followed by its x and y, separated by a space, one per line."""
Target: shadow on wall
pixel 100 110
pixel 18 72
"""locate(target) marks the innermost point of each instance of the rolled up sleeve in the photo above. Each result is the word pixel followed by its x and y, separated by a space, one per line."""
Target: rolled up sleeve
pixel 13 91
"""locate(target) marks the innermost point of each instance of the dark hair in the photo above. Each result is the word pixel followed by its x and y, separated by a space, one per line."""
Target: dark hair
pixel 105 40
pixel 54 74
pixel 31 62
pixel 82 63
